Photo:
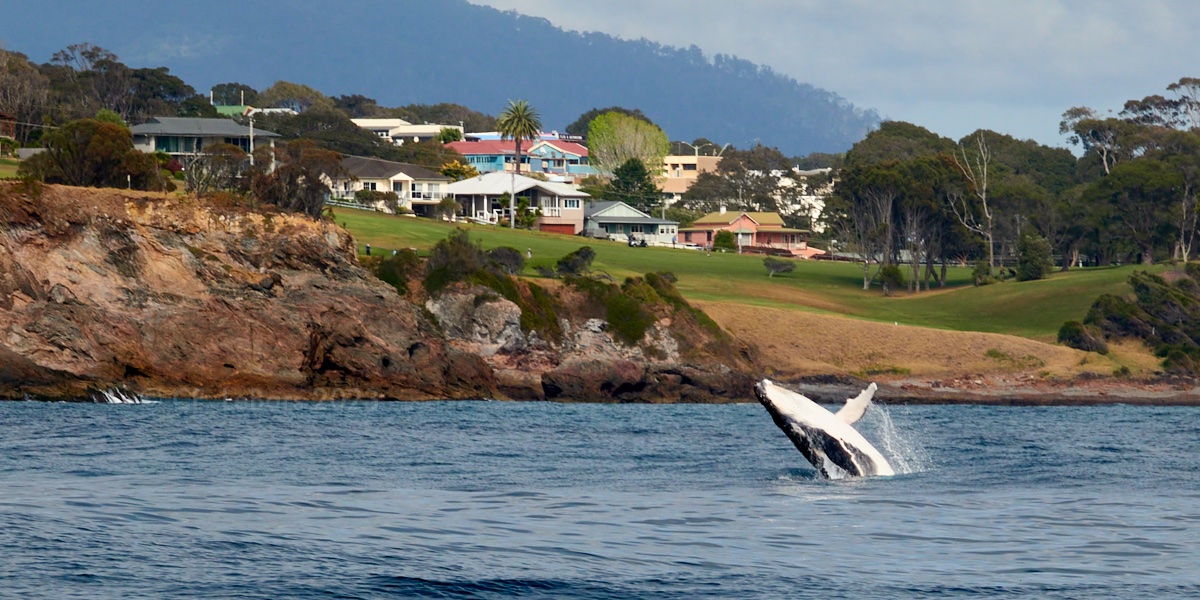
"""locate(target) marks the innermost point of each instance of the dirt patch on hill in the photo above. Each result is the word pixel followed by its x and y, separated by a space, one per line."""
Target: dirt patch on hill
pixel 796 344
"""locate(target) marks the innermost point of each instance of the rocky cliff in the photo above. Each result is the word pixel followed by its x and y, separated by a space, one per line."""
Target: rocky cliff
pixel 171 296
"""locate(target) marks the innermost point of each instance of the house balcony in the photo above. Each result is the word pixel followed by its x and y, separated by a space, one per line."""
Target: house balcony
pixel 419 197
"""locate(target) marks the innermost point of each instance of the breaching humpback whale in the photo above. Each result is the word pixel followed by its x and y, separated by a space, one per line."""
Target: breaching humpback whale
pixel 826 439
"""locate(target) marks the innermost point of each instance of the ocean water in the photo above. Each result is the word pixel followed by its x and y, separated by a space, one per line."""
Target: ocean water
pixel 537 500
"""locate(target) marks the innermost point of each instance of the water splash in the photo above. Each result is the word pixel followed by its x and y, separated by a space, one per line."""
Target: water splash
pixel 901 448
pixel 119 396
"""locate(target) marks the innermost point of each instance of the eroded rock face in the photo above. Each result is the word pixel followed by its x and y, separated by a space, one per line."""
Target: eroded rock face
pixel 588 364
pixel 172 297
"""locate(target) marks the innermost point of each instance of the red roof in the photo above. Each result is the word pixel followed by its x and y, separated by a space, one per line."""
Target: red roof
pixel 494 147
pixel 488 147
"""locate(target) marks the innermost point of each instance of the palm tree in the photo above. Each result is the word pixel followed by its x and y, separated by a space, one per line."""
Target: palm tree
pixel 519 122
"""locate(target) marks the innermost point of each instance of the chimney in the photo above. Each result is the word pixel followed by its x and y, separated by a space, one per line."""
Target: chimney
pixel 722 209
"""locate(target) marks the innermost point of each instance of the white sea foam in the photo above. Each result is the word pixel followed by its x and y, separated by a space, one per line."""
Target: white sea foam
pixel 119 396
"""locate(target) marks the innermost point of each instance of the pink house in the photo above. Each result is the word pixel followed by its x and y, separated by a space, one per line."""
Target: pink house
pixel 761 232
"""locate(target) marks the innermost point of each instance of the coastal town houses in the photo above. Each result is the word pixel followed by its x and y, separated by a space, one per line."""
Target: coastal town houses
pixel 418 189
pixel 399 131
pixel 557 160
pixel 620 221
pixel 760 232
pixel 185 137
pixel 560 206
pixel 681 171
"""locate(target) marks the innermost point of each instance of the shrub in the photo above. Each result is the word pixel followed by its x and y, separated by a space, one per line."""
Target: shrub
pixel 397 269
pixel 576 263
pixel 982 275
pixel 725 240
pixel 453 259
pixel 778 265
pixel 892 277
pixel 1074 334
pixel 1033 257
pixel 506 259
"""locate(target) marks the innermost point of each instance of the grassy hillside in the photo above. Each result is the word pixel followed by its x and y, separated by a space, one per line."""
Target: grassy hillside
pixel 1028 309
pixel 8 168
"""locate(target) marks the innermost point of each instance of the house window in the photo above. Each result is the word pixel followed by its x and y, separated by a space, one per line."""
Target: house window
pixel 416 191
pixel 434 189
pixel 689 167
pixel 571 203
pixel 397 186
pixel 636 228
pixel 369 185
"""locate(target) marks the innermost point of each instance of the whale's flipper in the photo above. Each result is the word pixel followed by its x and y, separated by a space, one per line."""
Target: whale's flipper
pixel 856 406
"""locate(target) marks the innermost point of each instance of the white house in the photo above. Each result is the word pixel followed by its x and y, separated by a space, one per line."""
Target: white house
pixel 418 189
pixel 560 205
pixel 399 131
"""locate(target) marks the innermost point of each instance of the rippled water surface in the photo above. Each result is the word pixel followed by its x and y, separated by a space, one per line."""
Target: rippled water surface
pixel 489 499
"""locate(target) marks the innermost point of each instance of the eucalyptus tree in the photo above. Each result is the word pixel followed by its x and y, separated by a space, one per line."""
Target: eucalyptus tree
pixel 614 138
pixel 519 122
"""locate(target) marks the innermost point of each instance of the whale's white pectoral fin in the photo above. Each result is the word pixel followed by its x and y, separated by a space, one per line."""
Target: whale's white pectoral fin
pixel 856 406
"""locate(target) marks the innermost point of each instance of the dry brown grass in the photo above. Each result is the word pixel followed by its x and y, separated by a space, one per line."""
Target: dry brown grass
pixel 795 343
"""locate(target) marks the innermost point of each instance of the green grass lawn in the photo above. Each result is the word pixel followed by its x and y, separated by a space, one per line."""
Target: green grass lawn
pixel 8 168
pixel 1032 309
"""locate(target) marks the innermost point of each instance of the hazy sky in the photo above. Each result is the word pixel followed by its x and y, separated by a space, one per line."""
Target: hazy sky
pixel 951 66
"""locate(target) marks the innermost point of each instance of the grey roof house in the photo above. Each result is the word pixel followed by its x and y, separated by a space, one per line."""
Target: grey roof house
pixel 620 221
pixel 185 136
pixel 418 188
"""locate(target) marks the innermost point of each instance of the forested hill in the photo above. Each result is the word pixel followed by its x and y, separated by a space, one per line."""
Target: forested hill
pixel 417 51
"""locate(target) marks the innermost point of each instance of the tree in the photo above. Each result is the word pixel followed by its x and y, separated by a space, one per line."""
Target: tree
pixel 450 134
pixel 218 167
pixel 778 265
pixel 357 106
pixel 91 153
pixel 976 215
pixel 446 208
pixel 296 96
pixel 724 240
pixel 519 122
pixel 1134 203
pixel 1033 257
pixel 458 171
pixel 614 138
pixel 234 94
pixel 578 262
pixel 297 182
pixel 861 213
pixel 633 185
pixel 445 113
pixel 581 125
pixel 24 91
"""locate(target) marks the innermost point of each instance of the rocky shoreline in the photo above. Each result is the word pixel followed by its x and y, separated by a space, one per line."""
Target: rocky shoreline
pixel 1008 391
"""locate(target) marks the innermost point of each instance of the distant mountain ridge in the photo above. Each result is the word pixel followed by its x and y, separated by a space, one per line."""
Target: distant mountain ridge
pixel 412 51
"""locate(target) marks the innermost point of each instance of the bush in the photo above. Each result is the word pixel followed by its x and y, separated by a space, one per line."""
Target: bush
pixel 1034 257
pixel 506 259
pixel 453 259
pixel 892 277
pixel 576 263
pixel 1074 334
pixel 725 240
pixel 778 265
pixel 982 275
pixel 397 269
